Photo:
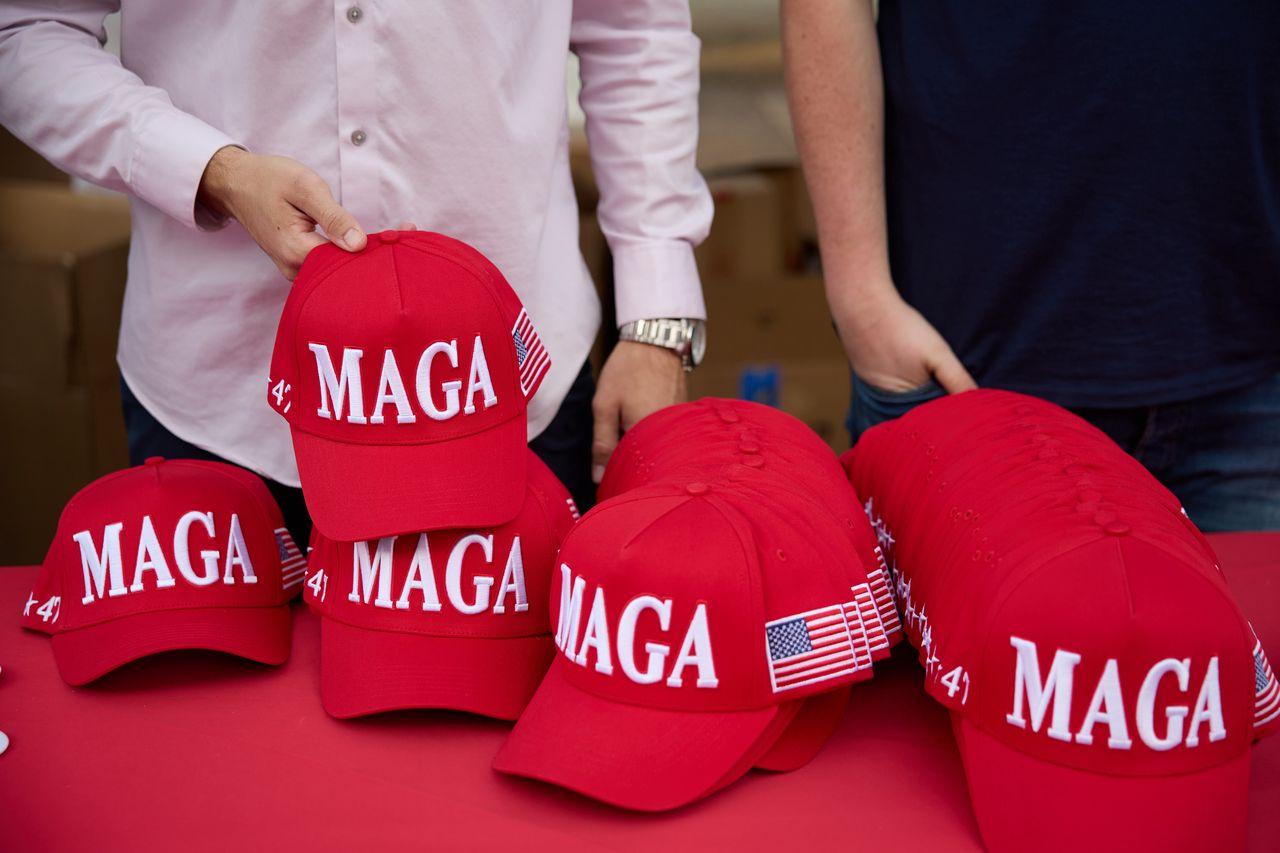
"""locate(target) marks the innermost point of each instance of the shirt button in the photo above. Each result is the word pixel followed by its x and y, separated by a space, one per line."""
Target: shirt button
pixel 354 14
pixel 358 137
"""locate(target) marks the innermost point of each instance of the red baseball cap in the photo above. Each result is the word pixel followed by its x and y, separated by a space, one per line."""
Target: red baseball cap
pixel 1103 684
pixel 404 371
pixel 686 620
pixel 763 451
pixel 169 555
pixel 445 619
pixel 1116 719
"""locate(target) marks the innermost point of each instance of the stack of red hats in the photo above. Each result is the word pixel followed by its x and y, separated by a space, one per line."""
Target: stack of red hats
pixel 168 555
pixel 405 372
pixel 1104 686
pixel 710 613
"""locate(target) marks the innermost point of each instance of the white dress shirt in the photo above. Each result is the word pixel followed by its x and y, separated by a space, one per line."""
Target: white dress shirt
pixel 449 115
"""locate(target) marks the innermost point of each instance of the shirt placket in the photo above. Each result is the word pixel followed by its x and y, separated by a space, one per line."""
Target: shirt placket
pixel 357 49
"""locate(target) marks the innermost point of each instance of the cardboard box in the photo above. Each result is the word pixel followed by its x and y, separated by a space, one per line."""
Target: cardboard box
pixel 64 260
pixel 783 316
pixel 744 121
pixel 815 390
pixel 18 162
pixel 745 238
pixel 796 220
pixel 584 179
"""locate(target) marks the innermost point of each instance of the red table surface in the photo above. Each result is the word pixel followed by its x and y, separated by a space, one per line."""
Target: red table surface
pixel 199 751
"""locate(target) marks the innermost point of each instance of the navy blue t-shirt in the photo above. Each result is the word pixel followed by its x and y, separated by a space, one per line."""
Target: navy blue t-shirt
pixel 1084 197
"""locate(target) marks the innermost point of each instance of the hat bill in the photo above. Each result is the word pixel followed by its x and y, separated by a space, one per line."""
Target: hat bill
pixel 259 634
pixel 1023 803
pixel 647 759
pixel 367 491
pixel 365 671
pixel 813 726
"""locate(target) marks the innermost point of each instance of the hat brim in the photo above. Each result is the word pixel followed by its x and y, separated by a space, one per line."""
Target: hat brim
pixel 364 671
pixel 1023 803
pixel 647 759
pixel 366 491
pixel 813 726
pixel 259 634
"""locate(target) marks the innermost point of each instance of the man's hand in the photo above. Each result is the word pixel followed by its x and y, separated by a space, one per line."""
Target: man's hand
pixel 637 380
pixel 893 347
pixel 279 202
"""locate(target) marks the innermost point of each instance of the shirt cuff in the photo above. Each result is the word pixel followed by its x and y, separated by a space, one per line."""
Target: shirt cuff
pixel 655 280
pixel 171 152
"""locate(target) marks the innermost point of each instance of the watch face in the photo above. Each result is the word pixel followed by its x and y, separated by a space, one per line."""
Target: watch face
pixel 699 343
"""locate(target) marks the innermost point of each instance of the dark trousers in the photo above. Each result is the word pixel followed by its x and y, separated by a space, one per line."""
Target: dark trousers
pixel 565 446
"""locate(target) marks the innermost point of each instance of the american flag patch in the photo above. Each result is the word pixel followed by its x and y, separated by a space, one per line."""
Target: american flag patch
pixel 810 647
pixel 885 605
pixel 531 355
pixel 866 627
pixel 293 566
pixel 1266 706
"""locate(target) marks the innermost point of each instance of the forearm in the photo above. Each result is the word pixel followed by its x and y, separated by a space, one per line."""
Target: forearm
pixel 834 84
pixel 77 106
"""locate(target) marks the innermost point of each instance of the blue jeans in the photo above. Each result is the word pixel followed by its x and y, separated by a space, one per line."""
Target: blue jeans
pixel 1220 454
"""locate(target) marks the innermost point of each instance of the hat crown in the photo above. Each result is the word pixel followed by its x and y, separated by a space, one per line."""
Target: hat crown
pixel 164 536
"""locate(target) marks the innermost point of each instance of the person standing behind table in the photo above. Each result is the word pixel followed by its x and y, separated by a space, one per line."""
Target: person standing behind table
pixel 452 116
pixel 1079 201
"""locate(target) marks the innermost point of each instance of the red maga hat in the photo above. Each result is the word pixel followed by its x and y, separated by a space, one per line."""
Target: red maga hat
pixel 445 619
pixel 688 628
pixel 1111 705
pixel 1103 684
pixel 168 555
pixel 404 371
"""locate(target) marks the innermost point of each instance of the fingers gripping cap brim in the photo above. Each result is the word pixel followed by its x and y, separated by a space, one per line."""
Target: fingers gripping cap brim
pixel 259 634
pixel 647 759
pixel 363 491
pixel 1023 803
pixel 368 672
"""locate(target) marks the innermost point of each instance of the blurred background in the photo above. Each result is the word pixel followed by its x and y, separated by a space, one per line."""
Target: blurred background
pixel 64 250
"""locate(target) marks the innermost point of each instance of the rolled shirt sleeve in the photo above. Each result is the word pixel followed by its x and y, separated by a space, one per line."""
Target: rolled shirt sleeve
pixel 639 67
pixel 75 104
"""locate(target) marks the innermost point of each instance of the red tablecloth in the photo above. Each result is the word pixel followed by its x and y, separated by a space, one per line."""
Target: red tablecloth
pixel 195 751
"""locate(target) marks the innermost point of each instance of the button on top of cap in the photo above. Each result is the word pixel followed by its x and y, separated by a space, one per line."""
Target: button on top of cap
pixel 729 416
pixel 390 236
pixel 749 447
pixel 154 460
pixel 1117 528
pixel 697 488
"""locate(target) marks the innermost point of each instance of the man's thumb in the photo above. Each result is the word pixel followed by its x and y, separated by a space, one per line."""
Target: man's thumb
pixel 339 226
pixel 952 376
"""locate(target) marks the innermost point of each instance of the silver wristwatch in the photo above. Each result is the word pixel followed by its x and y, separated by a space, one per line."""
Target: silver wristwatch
pixel 687 338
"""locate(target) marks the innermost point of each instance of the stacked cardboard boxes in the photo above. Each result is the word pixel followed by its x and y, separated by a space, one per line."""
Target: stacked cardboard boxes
pixel 64 257
pixel 769 333
pixel 770 336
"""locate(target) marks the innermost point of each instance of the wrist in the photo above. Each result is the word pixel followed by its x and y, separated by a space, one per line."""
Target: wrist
pixel 861 307
pixel 684 338
pixel 219 180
